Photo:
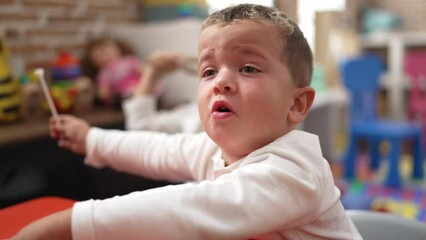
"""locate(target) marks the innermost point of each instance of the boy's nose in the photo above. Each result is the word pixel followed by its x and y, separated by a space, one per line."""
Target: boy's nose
pixel 224 83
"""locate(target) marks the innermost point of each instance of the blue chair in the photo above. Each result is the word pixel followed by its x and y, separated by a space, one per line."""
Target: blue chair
pixel 360 76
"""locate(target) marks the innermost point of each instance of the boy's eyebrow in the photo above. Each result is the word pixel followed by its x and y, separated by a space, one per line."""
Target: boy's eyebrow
pixel 246 50
pixel 251 51
pixel 205 54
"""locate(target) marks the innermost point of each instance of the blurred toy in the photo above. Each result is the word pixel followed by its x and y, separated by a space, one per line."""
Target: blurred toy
pixel 405 209
pixel 319 82
pixel 354 196
pixel 4 61
pixel 63 98
pixel 32 96
pixel 73 97
pixel 65 82
pixel 85 95
pixel 377 20
pixel 407 202
pixel 65 67
pixel 10 94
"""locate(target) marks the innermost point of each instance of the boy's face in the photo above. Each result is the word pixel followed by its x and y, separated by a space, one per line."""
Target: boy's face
pixel 245 91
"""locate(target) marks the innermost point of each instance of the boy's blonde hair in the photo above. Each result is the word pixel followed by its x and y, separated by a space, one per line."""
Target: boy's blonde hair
pixel 296 52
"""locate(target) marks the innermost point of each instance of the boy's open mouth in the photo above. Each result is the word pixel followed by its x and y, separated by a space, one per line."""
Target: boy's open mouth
pixel 223 109
pixel 221 106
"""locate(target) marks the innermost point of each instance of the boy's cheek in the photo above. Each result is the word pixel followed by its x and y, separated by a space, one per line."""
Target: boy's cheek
pixel 205 87
pixel 202 94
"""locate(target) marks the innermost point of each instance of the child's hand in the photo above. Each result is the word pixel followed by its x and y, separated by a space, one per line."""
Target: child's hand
pixel 157 64
pixel 164 62
pixel 71 132
pixel 54 226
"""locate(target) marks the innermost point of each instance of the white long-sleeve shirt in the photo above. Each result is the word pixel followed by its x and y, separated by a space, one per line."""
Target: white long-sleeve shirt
pixel 141 113
pixel 284 190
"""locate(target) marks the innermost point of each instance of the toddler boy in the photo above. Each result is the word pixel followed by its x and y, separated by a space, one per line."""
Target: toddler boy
pixel 251 175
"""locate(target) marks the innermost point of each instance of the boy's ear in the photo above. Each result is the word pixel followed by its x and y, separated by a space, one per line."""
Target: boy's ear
pixel 303 99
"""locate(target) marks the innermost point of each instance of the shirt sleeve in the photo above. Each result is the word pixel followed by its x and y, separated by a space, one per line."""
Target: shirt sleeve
pixel 141 113
pixel 253 200
pixel 154 155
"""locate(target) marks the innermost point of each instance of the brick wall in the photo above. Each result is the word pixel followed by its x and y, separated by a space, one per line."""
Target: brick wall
pixel 36 30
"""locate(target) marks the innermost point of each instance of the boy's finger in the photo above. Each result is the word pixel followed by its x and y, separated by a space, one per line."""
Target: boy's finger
pixel 64 143
pixel 54 133
pixel 58 129
pixel 65 118
pixel 53 127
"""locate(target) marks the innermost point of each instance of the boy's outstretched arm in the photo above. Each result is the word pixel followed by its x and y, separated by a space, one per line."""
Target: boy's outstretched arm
pixel 54 226
pixel 157 65
pixel 70 131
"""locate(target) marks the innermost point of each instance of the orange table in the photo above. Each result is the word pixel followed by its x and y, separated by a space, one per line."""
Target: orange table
pixel 13 218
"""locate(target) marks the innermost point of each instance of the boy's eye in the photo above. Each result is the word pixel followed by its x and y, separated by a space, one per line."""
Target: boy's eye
pixel 249 69
pixel 208 72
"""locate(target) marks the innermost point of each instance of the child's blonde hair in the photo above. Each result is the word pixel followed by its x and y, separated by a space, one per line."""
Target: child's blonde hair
pixel 296 52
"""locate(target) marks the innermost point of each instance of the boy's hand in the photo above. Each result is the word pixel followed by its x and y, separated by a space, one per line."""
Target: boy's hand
pixel 54 226
pixel 71 132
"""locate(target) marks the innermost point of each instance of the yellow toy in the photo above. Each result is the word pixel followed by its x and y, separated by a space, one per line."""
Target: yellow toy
pixel 10 95
pixel 64 98
pixel 402 208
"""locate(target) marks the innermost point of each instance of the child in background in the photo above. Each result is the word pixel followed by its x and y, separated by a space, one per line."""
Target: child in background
pixel 140 110
pixel 251 174
pixel 122 80
pixel 114 68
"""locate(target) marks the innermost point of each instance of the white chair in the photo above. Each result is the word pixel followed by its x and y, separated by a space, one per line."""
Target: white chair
pixel 385 226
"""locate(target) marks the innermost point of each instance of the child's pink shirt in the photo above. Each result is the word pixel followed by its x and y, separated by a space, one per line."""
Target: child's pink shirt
pixel 120 76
